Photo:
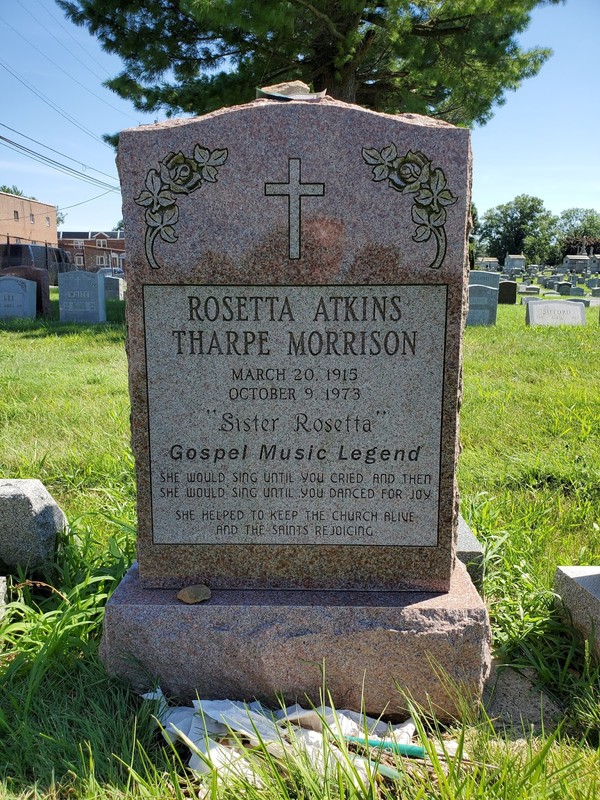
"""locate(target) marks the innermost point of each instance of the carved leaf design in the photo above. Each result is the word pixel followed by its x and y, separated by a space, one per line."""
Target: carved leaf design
pixel 201 154
pixel 446 198
pixel 171 215
pixel 209 174
pixel 420 215
pixel 422 233
pixel 168 234
pixel 153 181
pixel 380 172
pixel 371 156
pixel 218 157
pixel 145 199
pixel 154 218
pixel 438 219
pixel 178 175
pixel 389 153
pixel 438 181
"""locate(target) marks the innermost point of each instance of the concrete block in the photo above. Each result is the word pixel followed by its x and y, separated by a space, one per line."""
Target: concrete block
pixel 29 522
pixel 579 590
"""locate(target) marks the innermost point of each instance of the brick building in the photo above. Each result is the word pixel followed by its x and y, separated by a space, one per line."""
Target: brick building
pixel 92 250
pixel 26 221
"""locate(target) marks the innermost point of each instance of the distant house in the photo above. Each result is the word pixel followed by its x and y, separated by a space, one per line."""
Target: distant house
pixel 487 263
pixel 581 263
pixel 91 250
pixel 26 221
pixel 514 261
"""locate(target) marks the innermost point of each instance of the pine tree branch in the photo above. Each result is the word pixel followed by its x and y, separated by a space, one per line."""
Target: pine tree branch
pixel 323 17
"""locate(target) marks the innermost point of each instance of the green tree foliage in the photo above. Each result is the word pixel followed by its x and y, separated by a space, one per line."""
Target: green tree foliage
pixel 578 227
pixel 522 226
pixel 451 58
pixel 14 190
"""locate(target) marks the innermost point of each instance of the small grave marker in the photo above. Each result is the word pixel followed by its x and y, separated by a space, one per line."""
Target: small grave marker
pixel 81 297
pixel 555 312
pixel 17 297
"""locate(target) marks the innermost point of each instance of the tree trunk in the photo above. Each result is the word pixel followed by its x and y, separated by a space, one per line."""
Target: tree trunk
pixel 341 87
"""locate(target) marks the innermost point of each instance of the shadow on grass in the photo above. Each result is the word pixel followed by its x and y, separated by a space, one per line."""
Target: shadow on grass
pixel 113 329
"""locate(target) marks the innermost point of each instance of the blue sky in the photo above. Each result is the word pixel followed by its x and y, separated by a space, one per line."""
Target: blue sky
pixel 542 142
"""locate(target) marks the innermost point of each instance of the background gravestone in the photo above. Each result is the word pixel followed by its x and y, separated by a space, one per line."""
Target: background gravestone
pixel 579 590
pixel 81 297
pixel 507 292
pixel 114 288
pixel 483 278
pixel 555 312
pixel 30 520
pixel 42 280
pixel 17 297
pixel 295 310
pixel 483 305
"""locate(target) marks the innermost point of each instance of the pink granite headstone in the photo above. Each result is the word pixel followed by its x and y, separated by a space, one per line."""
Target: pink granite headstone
pixel 295 307
pixel 295 311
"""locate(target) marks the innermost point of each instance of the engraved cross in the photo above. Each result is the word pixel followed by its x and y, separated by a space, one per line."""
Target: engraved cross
pixel 295 190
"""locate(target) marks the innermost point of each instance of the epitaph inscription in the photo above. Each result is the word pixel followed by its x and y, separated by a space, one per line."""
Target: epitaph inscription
pixel 295 414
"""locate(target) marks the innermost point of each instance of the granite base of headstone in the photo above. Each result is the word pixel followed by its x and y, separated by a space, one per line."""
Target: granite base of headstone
pixel 17 297
pixel 271 645
pixel 30 521
pixel 81 297
pixel 579 591
pixel 295 369
pixel 41 278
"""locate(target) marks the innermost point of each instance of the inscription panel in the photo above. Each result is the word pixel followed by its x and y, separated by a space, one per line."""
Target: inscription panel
pixel 295 414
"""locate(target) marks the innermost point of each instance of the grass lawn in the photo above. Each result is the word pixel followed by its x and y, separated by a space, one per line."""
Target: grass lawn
pixel 529 476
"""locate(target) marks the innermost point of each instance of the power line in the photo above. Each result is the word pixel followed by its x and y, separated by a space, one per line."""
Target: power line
pixel 83 202
pixel 68 74
pixel 58 152
pixel 59 209
pixel 78 43
pixel 52 105
pixel 64 168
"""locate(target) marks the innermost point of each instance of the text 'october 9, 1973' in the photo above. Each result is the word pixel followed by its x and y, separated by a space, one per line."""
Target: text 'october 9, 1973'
pixel 297 414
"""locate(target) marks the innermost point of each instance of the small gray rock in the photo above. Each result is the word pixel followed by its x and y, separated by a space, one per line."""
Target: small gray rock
pixel 29 522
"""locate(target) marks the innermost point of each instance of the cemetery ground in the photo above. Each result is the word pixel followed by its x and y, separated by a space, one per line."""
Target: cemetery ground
pixel 529 476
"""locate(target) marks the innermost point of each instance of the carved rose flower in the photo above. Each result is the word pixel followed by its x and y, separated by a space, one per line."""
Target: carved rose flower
pixel 412 171
pixel 179 173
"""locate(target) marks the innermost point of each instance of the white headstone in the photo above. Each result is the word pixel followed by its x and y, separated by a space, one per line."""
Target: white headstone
pixel 555 312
